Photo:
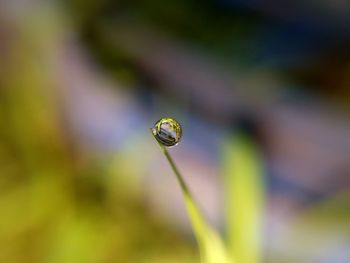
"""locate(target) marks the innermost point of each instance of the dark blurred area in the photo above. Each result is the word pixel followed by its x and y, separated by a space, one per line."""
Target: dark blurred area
pixel 81 83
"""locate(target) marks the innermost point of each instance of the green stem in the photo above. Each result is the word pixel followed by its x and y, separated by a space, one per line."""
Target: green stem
pixel 176 171
pixel 212 249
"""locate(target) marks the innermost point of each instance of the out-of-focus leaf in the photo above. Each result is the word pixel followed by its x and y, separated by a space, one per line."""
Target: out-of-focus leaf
pixel 242 168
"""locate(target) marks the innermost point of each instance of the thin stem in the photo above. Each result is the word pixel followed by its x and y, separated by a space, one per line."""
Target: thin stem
pixel 176 171
pixel 211 247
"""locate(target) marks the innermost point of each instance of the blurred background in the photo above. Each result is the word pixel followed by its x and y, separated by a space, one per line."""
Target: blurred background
pixel 81 83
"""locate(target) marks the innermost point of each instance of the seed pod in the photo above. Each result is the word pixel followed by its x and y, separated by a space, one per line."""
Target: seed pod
pixel 167 131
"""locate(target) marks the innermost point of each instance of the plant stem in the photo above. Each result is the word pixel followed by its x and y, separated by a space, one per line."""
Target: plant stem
pixel 175 170
pixel 211 247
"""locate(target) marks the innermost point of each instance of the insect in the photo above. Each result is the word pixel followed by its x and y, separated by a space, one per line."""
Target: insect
pixel 167 131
